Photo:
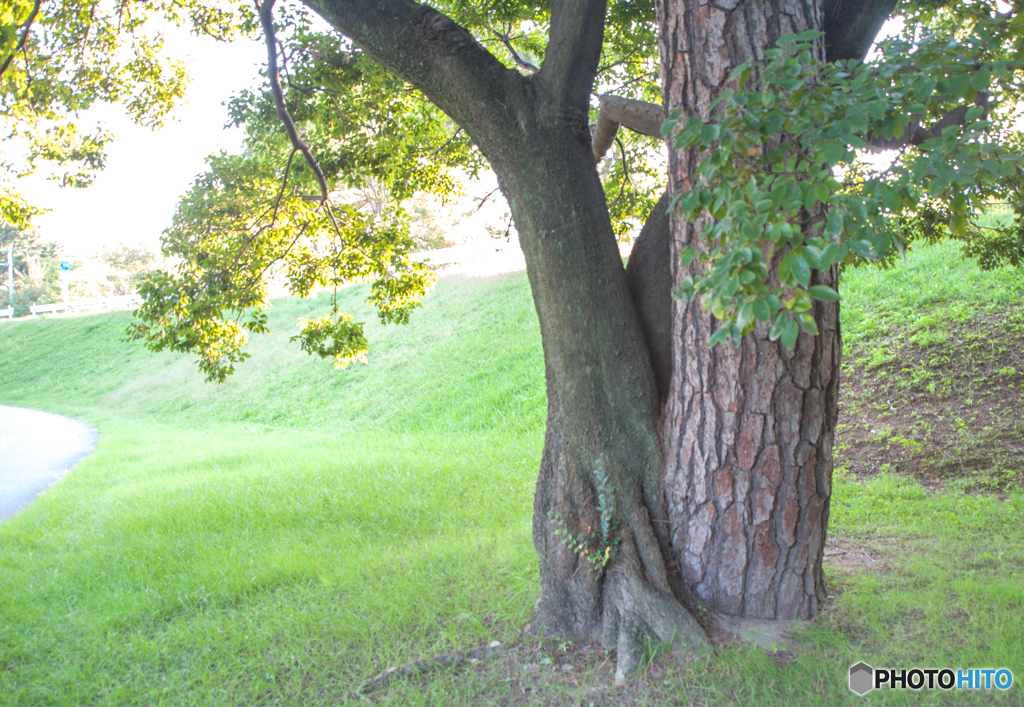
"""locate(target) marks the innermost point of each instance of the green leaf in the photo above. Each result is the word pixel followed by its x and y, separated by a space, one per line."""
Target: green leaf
pixel 687 256
pixel 812 255
pixel 784 268
pixel 834 223
pixel 789 334
pixel 823 292
pixel 778 326
pixel 761 310
pixel 691 203
pixel 835 151
pixel 800 269
pixel 863 249
pixel 981 79
pixel 710 133
pixel 745 315
pixel 810 198
pixel 822 192
pixel 808 35
pixel 722 334
pixel 808 324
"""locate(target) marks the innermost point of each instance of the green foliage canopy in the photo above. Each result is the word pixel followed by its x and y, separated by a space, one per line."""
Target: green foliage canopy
pixel 258 213
pixel 770 148
pixel 59 58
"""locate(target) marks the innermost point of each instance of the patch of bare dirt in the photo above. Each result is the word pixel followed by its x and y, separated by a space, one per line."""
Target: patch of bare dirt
pixel 942 402
pixel 851 557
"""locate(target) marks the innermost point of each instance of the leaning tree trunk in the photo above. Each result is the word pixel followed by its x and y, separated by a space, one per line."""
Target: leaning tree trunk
pixel 603 408
pixel 747 431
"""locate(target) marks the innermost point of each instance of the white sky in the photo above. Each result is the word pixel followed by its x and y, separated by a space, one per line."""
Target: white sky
pixel 133 199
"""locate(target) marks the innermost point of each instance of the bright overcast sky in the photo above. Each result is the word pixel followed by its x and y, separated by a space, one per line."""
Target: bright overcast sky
pixel 133 199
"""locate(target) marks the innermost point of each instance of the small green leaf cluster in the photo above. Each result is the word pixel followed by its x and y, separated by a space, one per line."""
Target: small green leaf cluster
pixel 243 223
pixel 335 335
pixel 770 209
pixel 597 546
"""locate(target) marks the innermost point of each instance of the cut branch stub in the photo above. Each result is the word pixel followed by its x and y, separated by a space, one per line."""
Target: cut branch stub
pixel 639 116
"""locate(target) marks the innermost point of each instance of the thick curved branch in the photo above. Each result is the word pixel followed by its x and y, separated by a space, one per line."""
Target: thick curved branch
pixel 24 36
pixel 851 26
pixel 638 116
pixel 437 56
pixel 915 133
pixel 574 48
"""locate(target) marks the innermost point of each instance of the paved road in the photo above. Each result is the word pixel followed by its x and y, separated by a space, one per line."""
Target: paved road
pixel 36 449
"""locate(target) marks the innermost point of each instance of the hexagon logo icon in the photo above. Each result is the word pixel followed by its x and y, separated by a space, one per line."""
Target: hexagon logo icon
pixel 862 678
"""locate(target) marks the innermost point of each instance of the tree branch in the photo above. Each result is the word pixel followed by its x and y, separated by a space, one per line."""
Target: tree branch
pixel 266 9
pixel 519 61
pixel 24 36
pixel 638 116
pixel 438 57
pixel 851 26
pixel 574 48
pixel 915 133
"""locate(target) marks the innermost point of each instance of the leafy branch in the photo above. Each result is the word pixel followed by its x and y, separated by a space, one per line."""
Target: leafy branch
pixel 765 190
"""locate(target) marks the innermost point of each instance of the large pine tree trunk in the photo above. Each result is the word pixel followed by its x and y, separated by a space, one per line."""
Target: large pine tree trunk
pixel 747 431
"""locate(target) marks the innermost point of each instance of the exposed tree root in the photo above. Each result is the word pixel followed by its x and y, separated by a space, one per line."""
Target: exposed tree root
pixel 639 618
pixel 428 665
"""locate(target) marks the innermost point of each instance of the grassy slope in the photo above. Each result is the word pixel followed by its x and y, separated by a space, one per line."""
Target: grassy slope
pixel 222 541
pixel 289 534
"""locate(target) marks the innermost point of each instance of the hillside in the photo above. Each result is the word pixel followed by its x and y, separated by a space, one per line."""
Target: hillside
pixel 287 535
pixel 448 370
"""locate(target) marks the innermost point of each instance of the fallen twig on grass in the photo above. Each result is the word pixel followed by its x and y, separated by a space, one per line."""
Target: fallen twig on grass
pixel 419 667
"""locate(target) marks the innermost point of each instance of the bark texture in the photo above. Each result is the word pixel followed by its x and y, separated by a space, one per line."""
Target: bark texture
pixel 649 274
pixel 747 431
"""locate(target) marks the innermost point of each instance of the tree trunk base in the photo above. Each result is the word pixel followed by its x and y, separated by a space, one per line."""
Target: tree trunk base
pixel 637 618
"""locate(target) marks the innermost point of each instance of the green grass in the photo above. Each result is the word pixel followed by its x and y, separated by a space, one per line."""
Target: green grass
pixel 933 285
pixel 283 537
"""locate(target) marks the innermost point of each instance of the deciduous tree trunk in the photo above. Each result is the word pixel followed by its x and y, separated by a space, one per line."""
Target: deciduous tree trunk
pixel 602 394
pixel 747 431
pixel 602 411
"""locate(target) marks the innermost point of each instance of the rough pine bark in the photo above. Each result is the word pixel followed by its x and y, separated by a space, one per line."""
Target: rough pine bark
pixel 747 431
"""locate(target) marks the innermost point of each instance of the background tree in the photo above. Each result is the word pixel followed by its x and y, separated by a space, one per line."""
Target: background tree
pixel 131 265
pixel 36 269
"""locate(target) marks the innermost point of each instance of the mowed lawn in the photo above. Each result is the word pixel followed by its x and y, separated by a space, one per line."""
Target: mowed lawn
pixel 286 536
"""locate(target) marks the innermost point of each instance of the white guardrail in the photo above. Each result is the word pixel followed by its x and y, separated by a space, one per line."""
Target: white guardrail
pixel 9 312
pixel 82 305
